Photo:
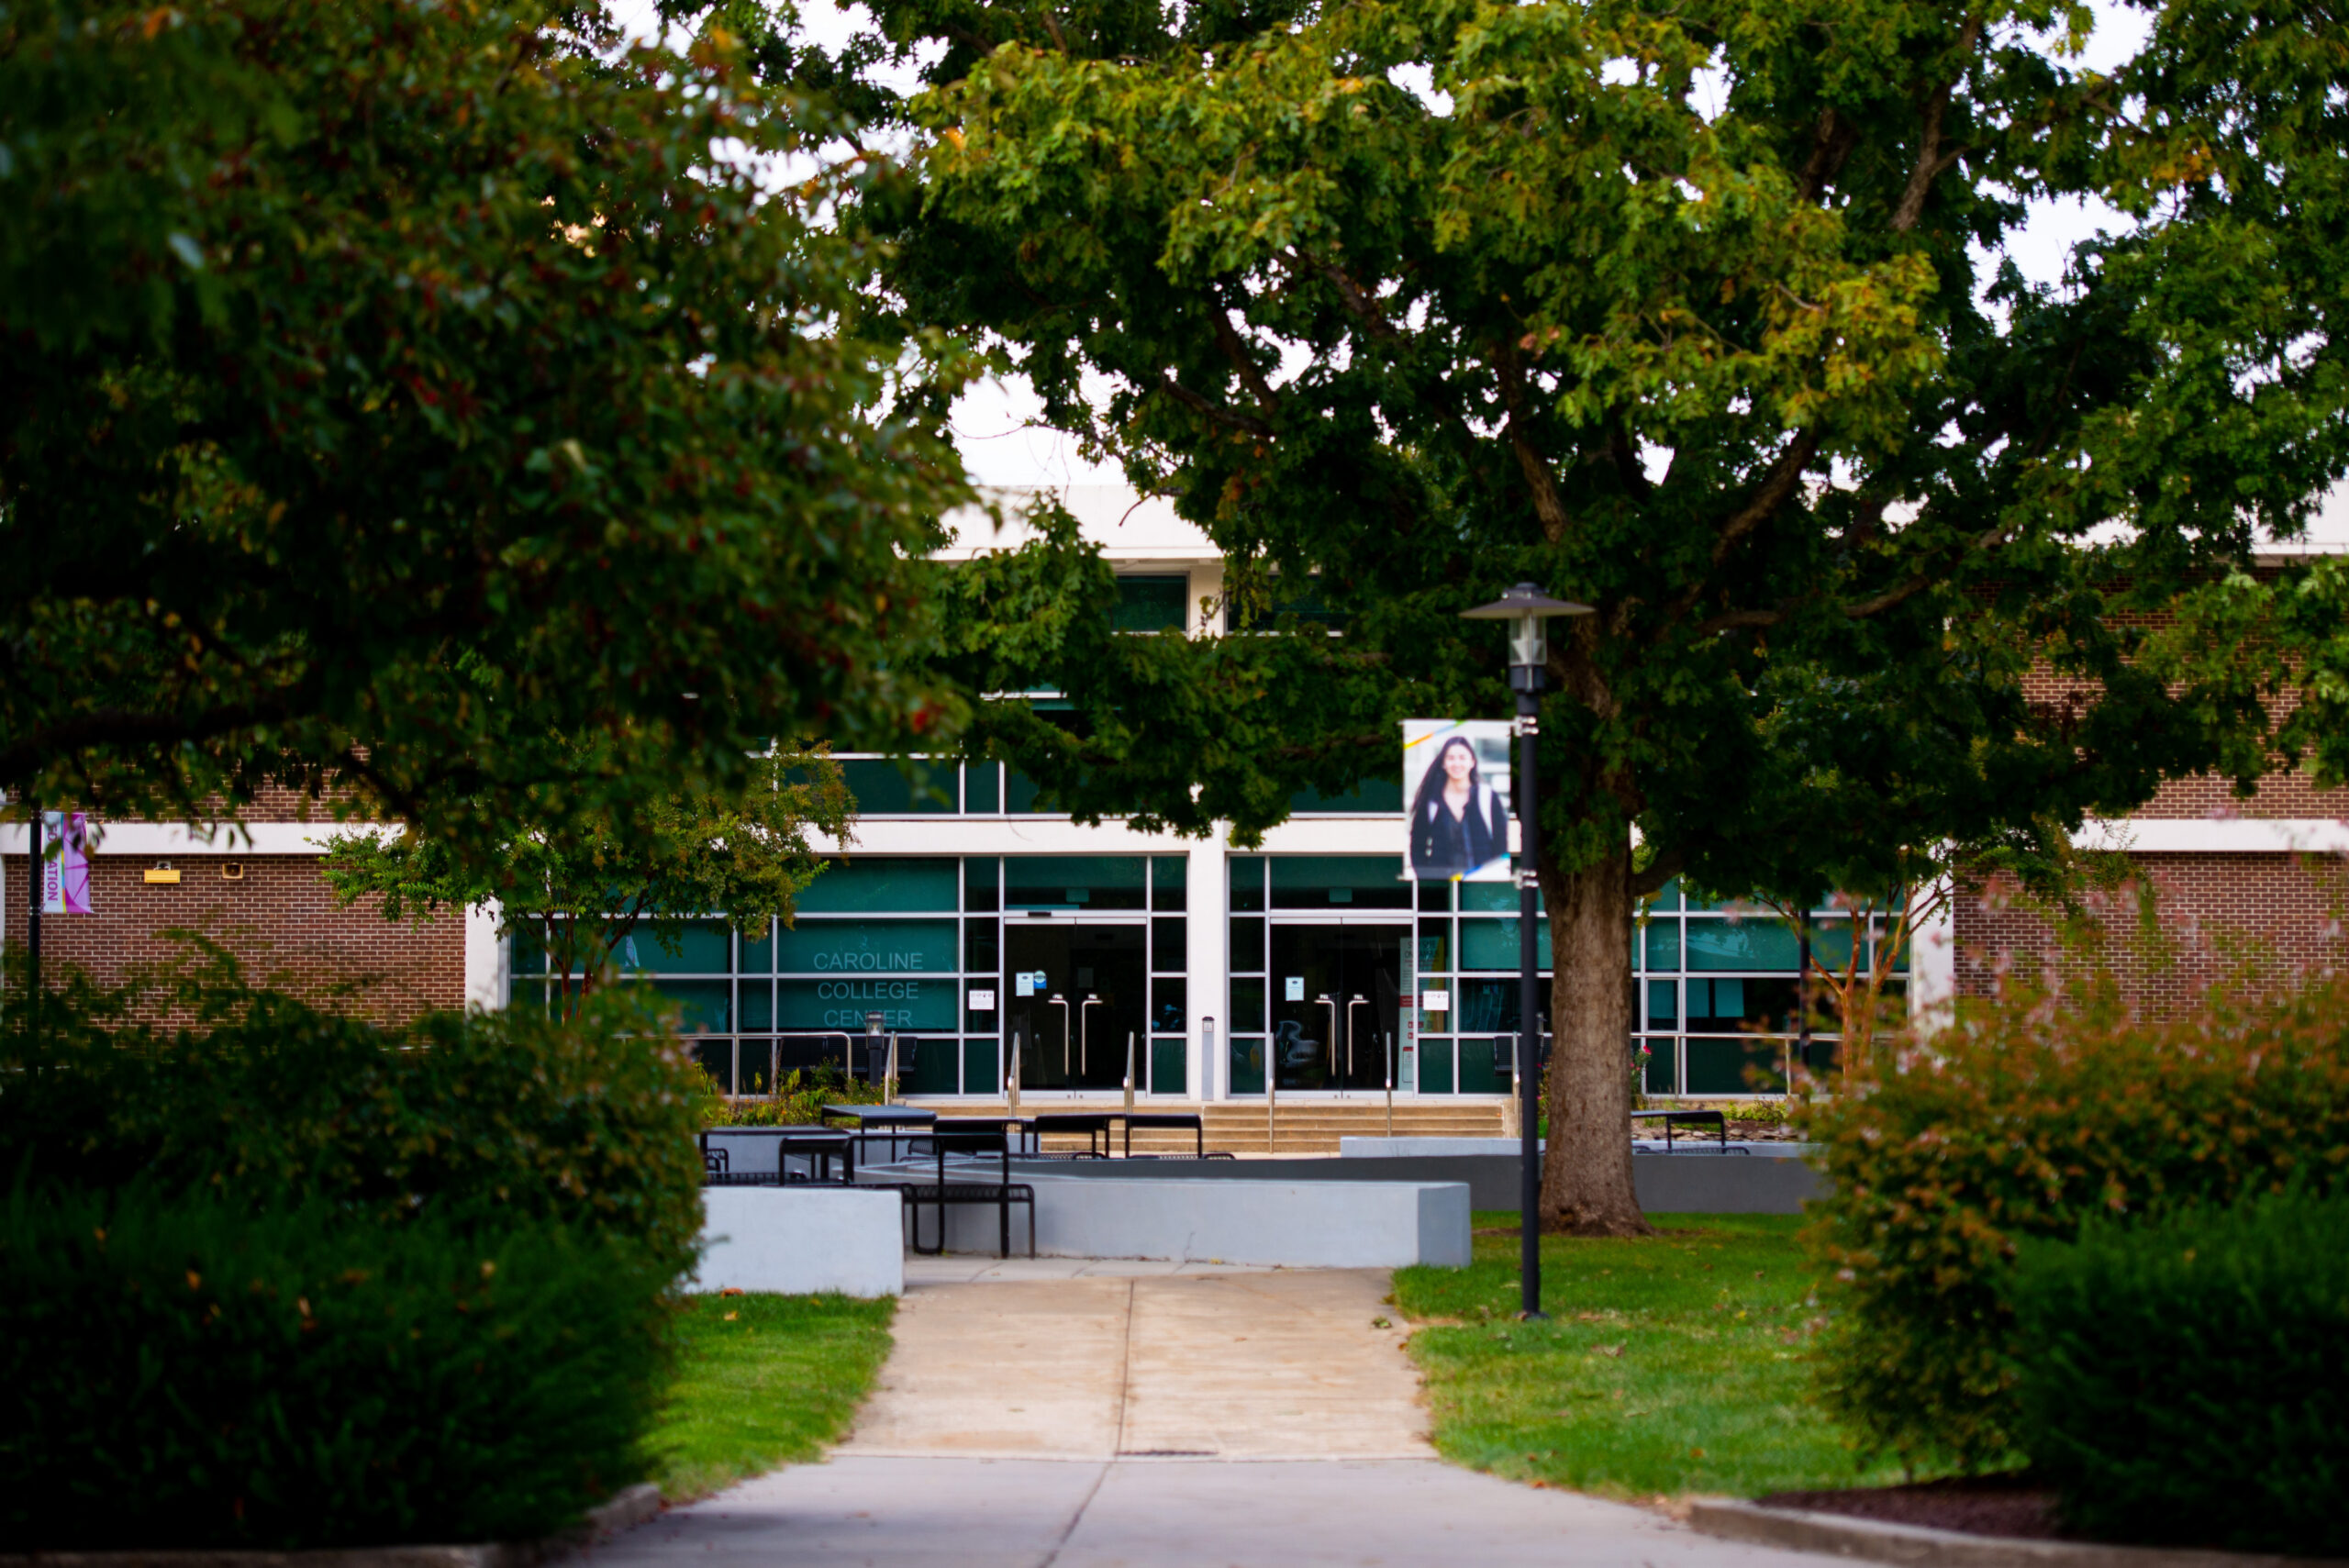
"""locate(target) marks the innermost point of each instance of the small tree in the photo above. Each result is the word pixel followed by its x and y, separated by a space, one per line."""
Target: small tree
pixel 584 889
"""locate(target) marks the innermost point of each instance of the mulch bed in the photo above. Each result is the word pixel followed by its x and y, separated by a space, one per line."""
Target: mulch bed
pixel 1975 1505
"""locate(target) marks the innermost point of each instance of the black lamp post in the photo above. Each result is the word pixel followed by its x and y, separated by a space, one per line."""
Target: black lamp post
pixel 1525 608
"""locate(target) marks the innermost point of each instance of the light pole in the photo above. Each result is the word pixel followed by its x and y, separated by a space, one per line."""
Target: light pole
pixel 1525 608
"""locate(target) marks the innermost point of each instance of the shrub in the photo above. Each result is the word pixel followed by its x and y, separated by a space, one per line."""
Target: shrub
pixel 2186 1381
pixel 587 1124
pixel 2024 1121
pixel 800 1100
pixel 183 1370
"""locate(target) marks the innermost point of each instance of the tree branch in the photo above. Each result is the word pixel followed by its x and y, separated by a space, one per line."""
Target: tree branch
pixel 1548 506
pixel 1242 365
pixel 1932 161
pixel 1210 410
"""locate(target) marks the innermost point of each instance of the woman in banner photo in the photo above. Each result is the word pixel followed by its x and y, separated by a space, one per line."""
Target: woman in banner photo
pixel 1458 823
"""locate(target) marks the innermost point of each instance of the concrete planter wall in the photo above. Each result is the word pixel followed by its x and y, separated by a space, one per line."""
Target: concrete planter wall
pixel 1303 1224
pixel 801 1240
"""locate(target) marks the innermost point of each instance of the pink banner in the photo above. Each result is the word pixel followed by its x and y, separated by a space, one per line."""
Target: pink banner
pixel 65 868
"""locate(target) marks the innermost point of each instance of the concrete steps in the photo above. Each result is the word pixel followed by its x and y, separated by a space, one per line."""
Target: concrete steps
pixel 1300 1127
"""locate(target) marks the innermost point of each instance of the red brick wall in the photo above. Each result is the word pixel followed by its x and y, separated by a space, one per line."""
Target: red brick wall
pixel 2277 917
pixel 279 919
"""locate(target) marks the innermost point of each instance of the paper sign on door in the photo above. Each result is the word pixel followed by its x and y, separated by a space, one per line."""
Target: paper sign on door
pixel 983 1001
pixel 1292 988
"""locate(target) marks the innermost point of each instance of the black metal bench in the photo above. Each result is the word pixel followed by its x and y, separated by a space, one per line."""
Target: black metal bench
pixel 1714 1119
pixel 1095 1125
pixel 1179 1120
pixel 969 1185
pixel 818 1146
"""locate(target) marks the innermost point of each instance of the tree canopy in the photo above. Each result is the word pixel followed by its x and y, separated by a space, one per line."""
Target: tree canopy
pixel 1706 317
pixel 576 892
pixel 421 403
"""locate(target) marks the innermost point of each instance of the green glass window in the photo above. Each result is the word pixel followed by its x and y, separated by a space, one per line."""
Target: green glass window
pixel 981 875
pixel 707 1006
pixel 1371 796
pixel 925 1005
pixel 1153 602
pixel 1831 944
pixel 1435 947
pixel 867 947
pixel 1325 882
pixel 1247 1070
pixel 758 957
pixel 1494 898
pixel 1664 1004
pixel 1169 877
pixel 1247 944
pixel 1753 942
pixel 887 787
pixel 1492 944
pixel 1247 874
pixel 1167 1012
pixel 704 947
pixel 875 883
pixel 1169 944
pixel 1247 1006
pixel 1073 882
pixel 1020 794
pixel 1663 943
pixel 983 789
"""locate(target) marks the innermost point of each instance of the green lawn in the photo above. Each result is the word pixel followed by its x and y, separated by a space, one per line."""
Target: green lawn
pixel 1674 1366
pixel 762 1380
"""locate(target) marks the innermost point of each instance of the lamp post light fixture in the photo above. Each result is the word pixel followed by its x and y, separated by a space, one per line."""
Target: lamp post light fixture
pixel 1525 608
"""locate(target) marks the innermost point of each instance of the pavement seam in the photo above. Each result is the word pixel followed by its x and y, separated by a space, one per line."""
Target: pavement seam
pixel 1076 1517
pixel 1125 1372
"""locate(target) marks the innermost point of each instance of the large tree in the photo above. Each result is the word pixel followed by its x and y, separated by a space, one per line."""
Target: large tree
pixel 441 405
pixel 1703 317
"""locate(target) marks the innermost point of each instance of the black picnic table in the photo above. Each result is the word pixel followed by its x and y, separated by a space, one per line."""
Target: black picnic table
pixel 1095 1125
pixel 893 1122
pixel 1178 1120
pixel 1714 1119
pixel 818 1145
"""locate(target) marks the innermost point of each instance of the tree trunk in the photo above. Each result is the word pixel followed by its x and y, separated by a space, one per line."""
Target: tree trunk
pixel 1587 1170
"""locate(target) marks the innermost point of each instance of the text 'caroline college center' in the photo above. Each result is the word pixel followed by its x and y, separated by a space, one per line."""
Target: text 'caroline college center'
pixel 985 929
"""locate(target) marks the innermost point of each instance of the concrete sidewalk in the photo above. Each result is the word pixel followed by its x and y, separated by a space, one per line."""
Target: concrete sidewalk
pixel 1255 1364
pixel 971 1513
pixel 1065 1414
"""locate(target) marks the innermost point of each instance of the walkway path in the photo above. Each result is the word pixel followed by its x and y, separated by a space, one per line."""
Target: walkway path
pixel 1060 1415
pixel 1227 1365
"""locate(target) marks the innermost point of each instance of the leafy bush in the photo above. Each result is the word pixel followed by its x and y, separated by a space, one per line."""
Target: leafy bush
pixel 588 1124
pixel 2025 1121
pixel 798 1102
pixel 183 1370
pixel 2186 1381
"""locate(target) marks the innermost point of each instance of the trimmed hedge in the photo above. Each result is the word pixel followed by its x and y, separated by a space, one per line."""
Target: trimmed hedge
pixel 183 1372
pixel 589 1125
pixel 2188 1383
pixel 2026 1121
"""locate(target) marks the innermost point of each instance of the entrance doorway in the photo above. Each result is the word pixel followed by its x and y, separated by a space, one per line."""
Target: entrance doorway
pixel 1336 996
pixel 1076 991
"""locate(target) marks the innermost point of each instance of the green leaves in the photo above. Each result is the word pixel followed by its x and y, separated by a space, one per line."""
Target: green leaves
pixel 580 889
pixel 386 393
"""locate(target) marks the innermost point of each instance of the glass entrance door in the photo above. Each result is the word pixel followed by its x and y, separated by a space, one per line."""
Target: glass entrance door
pixel 1074 993
pixel 1336 991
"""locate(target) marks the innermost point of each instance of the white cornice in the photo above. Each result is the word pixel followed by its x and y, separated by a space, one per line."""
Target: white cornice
pixel 2230 836
pixel 164 840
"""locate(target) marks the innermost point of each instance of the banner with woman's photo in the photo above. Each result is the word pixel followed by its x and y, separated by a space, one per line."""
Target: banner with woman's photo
pixel 1456 784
